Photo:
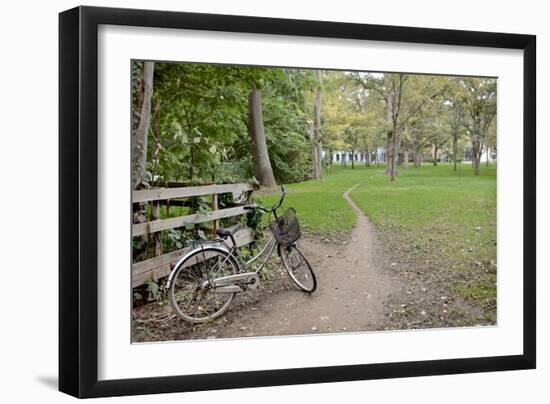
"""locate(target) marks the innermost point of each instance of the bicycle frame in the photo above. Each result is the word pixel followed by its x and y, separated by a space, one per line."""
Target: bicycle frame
pixel 243 264
pixel 227 284
pixel 269 246
pixel 234 252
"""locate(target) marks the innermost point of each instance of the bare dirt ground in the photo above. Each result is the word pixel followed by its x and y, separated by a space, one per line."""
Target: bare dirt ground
pixel 355 288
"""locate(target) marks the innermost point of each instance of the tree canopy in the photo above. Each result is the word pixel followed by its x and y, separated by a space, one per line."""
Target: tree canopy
pixel 200 125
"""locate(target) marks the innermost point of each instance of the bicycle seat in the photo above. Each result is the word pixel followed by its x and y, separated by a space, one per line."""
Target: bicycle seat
pixel 228 231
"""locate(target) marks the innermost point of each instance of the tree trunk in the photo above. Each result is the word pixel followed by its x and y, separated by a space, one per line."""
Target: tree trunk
pixel 392 155
pixel 396 146
pixel 455 152
pixel 399 159
pixel 262 165
pixel 476 164
pixel 139 135
pixel 139 149
pixel 319 153
pixel 405 160
pixel 353 159
pixel 387 155
pixel 192 158
pixel 436 149
pixel 487 157
pixel 476 156
pixel 318 140
pixel 314 165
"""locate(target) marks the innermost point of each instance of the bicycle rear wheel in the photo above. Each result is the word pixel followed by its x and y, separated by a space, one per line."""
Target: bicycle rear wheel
pixel 298 267
pixel 191 295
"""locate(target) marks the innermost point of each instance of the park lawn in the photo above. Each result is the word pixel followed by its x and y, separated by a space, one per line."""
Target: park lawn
pixel 430 196
pixel 320 206
pixel 430 218
pixel 446 221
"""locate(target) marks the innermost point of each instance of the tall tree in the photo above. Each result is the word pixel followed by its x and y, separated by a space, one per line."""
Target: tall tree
pixel 317 135
pixel 479 97
pixel 404 96
pixel 287 108
pixel 262 166
pixel 440 131
pixel 143 89
pixel 419 137
pixel 456 130
pixel 313 147
pixel 352 139
pixel 370 126
pixel 390 88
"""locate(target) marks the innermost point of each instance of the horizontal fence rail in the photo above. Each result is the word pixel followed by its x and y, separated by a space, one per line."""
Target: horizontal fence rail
pixel 147 195
pixel 173 222
pixel 161 265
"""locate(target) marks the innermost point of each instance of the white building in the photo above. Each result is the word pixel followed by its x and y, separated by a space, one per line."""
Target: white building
pixel 343 157
pixel 487 154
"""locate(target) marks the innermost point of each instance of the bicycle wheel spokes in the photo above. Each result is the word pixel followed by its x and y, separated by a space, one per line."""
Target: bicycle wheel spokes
pixel 191 293
pixel 298 268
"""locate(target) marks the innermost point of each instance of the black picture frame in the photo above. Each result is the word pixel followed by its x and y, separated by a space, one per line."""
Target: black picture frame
pixel 78 201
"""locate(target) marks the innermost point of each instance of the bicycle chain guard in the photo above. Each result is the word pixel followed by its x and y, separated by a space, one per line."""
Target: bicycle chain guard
pixel 235 283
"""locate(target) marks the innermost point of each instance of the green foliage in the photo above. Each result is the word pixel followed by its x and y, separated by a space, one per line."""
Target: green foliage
pixel 154 291
pixel 151 291
pixel 199 122
pixel 199 126
pixel 174 239
pixel 254 219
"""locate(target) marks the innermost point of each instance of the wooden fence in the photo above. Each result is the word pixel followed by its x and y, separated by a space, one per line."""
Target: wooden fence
pixel 160 265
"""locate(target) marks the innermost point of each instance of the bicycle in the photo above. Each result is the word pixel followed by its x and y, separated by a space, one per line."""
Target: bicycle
pixel 204 282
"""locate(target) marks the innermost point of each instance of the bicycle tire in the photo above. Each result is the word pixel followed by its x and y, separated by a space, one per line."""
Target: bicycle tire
pixel 306 281
pixel 194 275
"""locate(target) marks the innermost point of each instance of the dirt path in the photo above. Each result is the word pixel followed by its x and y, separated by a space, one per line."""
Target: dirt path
pixel 353 287
pixel 354 284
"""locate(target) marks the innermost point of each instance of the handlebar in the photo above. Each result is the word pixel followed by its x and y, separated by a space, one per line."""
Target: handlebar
pixel 273 208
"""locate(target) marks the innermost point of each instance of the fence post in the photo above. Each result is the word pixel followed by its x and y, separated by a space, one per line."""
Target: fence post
pixel 215 207
pixel 155 212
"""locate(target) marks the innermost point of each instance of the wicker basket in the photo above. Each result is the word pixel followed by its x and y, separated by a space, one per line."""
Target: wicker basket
pixel 286 228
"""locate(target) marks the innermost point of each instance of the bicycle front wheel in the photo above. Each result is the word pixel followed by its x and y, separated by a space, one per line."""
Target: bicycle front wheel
pixel 191 295
pixel 298 267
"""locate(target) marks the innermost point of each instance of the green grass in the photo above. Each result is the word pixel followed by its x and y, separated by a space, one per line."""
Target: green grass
pixel 428 214
pixel 419 197
pixel 435 201
pixel 319 204
pixel 431 214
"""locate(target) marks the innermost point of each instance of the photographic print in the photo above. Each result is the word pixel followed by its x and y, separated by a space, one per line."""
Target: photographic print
pixel 269 202
pixel 276 201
